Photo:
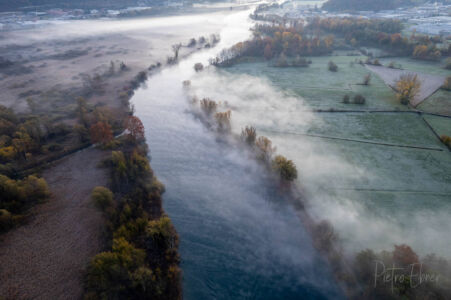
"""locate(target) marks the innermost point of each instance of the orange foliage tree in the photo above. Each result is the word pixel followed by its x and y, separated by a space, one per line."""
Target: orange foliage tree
pixel 101 133
pixel 135 127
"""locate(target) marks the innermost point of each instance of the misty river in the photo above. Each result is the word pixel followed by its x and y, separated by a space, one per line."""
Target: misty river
pixel 239 240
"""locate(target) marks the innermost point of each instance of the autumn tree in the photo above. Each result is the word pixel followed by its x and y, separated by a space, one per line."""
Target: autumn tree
pixel 135 128
pixel 208 106
pixel 285 168
pixel 249 135
pixel 404 255
pixel 265 150
pixel 101 133
pixel 223 121
pixel 407 88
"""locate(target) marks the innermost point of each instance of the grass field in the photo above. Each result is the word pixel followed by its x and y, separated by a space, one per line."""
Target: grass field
pixel 323 89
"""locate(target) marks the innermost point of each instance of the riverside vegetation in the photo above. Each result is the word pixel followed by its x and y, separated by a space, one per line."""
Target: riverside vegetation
pixel 141 260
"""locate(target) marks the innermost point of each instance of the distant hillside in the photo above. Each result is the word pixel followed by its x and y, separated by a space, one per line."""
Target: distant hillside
pixel 340 5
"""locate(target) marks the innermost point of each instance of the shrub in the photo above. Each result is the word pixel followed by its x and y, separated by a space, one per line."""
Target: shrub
pixel 248 135
pixel 198 67
pixel 332 66
pixel 359 99
pixel 102 197
pixel 17 196
pixel 285 168
pixel 36 189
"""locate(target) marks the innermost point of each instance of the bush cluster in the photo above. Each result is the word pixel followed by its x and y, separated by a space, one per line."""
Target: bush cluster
pixel 17 196
pixel 23 137
pixel 358 99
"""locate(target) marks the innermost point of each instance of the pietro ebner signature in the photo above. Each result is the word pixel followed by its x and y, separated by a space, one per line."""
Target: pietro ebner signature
pixel 413 274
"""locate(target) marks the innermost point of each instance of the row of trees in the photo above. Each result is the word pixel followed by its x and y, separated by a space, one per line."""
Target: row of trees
pixel 142 260
pixel 261 146
pixel 385 33
pixel 264 151
pixel 272 41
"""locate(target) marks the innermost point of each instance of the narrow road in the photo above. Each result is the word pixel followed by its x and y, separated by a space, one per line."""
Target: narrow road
pixel 45 258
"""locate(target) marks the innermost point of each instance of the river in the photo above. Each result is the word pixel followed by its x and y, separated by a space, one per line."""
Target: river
pixel 239 240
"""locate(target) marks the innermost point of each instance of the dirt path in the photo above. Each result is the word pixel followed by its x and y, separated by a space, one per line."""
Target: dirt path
pixel 44 258
pixel 429 83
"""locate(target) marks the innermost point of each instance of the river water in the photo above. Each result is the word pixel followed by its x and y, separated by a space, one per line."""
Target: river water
pixel 239 240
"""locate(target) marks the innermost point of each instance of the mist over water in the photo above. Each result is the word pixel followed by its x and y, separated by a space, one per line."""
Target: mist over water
pixel 239 239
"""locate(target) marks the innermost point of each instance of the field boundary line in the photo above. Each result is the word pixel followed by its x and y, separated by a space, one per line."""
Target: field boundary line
pixel 354 140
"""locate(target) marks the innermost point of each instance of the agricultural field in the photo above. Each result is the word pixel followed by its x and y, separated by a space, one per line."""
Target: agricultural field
pixel 380 177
